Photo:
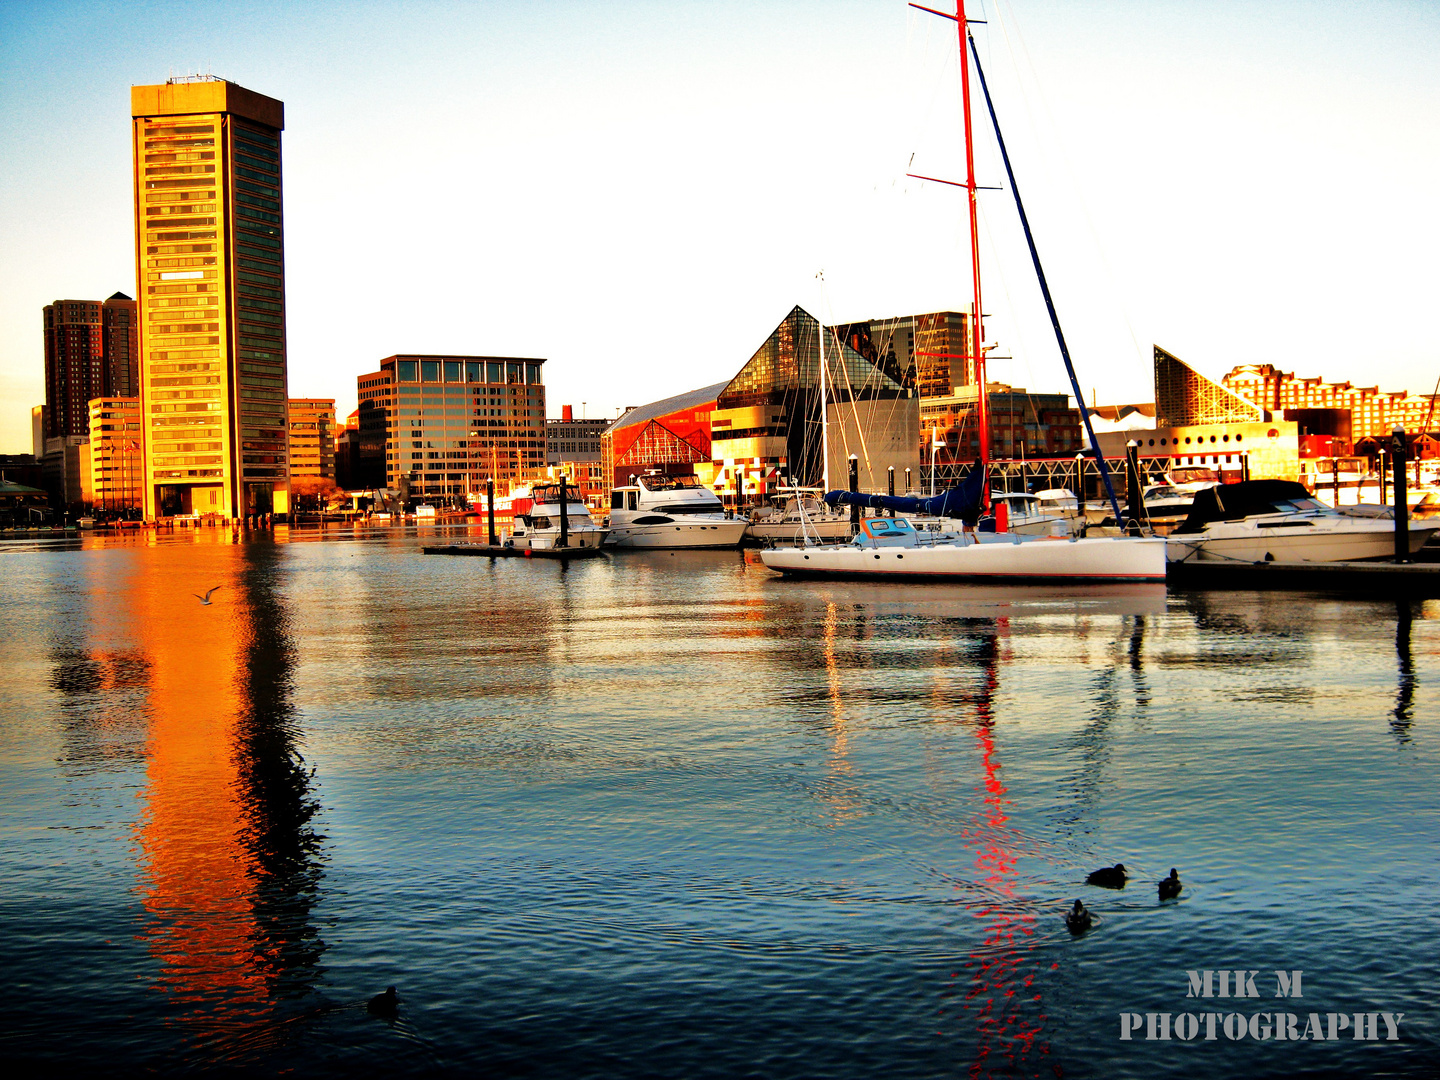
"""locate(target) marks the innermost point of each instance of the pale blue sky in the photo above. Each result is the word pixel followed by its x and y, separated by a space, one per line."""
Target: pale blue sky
pixel 640 191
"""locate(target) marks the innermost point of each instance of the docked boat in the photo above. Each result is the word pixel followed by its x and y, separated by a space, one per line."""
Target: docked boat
pixel 1043 514
pixel 1166 506
pixel 1280 521
pixel 538 521
pixel 894 549
pixel 798 513
pixel 670 512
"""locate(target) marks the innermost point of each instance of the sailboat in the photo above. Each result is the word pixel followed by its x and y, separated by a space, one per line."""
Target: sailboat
pixel 894 547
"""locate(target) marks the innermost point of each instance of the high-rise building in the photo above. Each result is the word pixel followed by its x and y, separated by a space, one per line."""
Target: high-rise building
pixel 347 453
pixel 445 424
pixel 210 264
pixel 312 440
pixel 120 342
pixel 111 462
pixel 90 351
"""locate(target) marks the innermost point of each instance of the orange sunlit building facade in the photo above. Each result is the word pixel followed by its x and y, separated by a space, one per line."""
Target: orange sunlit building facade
pixel 209 247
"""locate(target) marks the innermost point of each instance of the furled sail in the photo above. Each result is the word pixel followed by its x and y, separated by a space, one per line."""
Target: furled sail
pixel 961 501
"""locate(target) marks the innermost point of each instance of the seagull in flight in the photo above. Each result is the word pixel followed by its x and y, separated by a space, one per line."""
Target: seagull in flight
pixel 206 598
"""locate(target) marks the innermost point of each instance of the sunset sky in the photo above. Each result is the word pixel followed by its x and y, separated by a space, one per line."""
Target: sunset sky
pixel 640 191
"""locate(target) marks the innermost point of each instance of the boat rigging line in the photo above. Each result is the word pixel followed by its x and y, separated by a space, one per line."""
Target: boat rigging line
pixel 1044 285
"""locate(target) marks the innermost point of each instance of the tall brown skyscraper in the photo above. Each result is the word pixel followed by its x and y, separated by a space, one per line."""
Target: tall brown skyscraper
pixel 91 351
pixel 210 263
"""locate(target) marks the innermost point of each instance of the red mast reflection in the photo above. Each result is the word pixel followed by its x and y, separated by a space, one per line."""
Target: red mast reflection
pixel 1001 995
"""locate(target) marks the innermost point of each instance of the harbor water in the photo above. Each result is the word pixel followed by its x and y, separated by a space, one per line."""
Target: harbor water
pixel 668 815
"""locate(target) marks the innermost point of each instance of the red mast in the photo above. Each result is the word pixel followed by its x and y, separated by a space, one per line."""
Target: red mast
pixel 974 348
pixel 977 337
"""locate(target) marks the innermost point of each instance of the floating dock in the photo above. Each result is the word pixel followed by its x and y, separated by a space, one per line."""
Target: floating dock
pixel 504 551
pixel 1374 578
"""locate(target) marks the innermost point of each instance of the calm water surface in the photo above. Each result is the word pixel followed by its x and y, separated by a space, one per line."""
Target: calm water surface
pixel 665 815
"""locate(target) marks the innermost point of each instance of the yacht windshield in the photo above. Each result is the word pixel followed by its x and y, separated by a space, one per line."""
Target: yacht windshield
pixel 671 483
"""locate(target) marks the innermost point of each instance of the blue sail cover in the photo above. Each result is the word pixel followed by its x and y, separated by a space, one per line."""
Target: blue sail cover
pixel 962 501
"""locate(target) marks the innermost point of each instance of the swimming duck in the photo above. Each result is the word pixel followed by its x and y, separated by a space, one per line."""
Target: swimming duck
pixel 1170 886
pixel 386 1004
pixel 1108 877
pixel 1077 919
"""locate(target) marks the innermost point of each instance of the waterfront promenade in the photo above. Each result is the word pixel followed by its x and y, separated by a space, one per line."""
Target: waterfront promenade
pixel 665 814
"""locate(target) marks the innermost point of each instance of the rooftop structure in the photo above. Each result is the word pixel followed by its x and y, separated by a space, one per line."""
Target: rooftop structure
pixel 1184 397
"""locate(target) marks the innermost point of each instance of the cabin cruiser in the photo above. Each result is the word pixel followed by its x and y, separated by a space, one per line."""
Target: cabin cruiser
pixel 1046 513
pixel 894 548
pixel 1166 506
pixel 798 514
pixel 670 512
pixel 537 520
pixel 1280 521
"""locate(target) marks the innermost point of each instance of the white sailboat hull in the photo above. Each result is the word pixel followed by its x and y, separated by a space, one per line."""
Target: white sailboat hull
pixel 1001 556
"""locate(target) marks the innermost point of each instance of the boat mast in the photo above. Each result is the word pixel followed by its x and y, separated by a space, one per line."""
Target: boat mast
pixel 824 417
pixel 974 348
pixel 977 336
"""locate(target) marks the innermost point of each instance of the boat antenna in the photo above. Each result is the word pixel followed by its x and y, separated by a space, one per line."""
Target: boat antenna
pixel 1044 287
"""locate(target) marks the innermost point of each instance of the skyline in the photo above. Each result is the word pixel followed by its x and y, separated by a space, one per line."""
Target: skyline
pixel 640 195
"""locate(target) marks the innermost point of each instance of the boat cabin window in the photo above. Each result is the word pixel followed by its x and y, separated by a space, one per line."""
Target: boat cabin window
pixel 669 483
pixel 632 500
pixel 617 500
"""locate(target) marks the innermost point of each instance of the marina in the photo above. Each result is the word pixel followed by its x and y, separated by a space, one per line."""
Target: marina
pixel 736 609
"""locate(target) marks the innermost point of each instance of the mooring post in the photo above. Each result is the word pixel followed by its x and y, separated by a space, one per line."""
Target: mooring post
pixel 854 486
pixel 1134 505
pixel 564 517
pixel 1399 450
pixel 490 510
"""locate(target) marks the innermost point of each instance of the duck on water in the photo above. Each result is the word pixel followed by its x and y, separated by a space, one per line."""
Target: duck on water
pixel 1108 877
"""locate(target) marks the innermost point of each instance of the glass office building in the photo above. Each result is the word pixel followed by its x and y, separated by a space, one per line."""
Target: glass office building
pixel 446 424
pixel 210 264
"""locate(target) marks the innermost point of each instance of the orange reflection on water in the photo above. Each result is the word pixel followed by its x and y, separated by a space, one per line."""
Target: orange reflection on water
pixel 198 876
pixel 1007 1009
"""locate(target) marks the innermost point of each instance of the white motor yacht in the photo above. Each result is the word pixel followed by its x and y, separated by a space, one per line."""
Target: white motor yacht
pixel 798 514
pixel 1280 521
pixel 1041 514
pixel 670 512
pixel 894 549
pixel 538 524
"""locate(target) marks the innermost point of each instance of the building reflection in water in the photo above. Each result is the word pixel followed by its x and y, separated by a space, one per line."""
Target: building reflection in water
pixel 1002 996
pixel 231 863
pixel 840 793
